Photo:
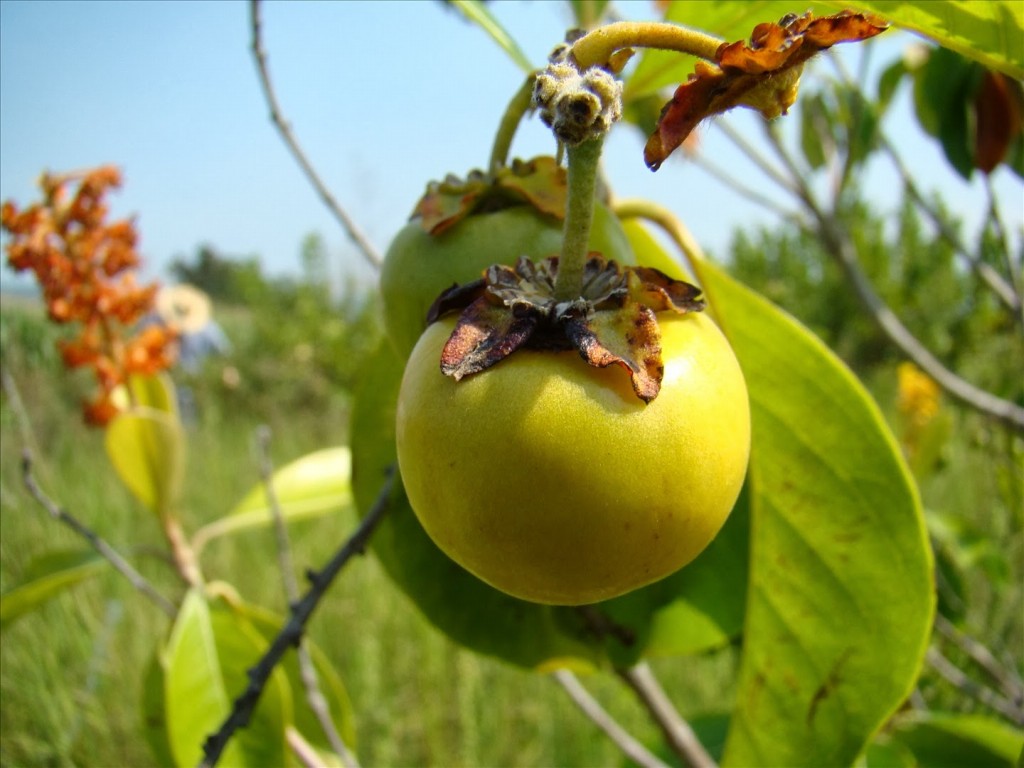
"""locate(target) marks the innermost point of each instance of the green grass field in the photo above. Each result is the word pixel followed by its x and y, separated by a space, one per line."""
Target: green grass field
pixel 71 673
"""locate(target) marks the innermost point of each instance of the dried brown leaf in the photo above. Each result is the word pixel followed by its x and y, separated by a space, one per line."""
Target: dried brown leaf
pixel 763 74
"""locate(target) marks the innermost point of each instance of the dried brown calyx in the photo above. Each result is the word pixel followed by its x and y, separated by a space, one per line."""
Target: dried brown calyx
pixel 539 182
pixel 613 322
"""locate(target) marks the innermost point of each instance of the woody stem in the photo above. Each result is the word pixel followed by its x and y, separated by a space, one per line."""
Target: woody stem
pixel 596 47
pixel 583 162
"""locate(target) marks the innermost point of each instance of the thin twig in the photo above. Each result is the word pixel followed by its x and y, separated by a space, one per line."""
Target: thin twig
pixel 21 418
pixel 680 736
pixel 729 180
pixel 1006 678
pixel 840 247
pixel 314 695
pixel 121 565
pixel 1004 290
pixel 969 687
pixel 290 634
pixel 759 159
pixel 304 752
pixel 629 746
pixel 277 117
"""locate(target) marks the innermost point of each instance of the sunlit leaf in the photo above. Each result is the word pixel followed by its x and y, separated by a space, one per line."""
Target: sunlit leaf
pixel 840 598
pixel 312 486
pixel 478 13
pixel 988 31
pixel 46 577
pixel 156 392
pixel 147 448
pixel 204 664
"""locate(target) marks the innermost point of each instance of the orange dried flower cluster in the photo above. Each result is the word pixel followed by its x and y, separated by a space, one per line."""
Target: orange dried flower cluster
pixel 85 267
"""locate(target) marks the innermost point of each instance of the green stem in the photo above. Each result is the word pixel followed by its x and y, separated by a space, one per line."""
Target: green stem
pixel 579 215
pixel 596 47
pixel 519 106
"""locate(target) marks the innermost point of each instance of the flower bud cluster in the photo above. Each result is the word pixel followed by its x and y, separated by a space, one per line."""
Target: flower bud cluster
pixel 577 106
pixel 86 266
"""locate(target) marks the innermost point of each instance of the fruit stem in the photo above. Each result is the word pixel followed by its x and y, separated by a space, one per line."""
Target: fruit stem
pixel 583 161
pixel 514 112
pixel 596 47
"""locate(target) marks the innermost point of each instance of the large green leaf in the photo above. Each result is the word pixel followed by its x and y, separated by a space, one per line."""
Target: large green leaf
pixel 469 611
pixel 840 599
pixel 147 448
pixel 314 485
pixel 46 577
pixel 989 31
pixel 940 739
pixel 204 668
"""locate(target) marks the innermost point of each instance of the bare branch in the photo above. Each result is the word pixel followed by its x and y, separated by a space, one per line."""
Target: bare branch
pixel 307 672
pixel 121 565
pixel 291 633
pixel 1005 291
pixel 677 731
pixel 629 746
pixel 788 184
pixel 840 247
pixel 729 180
pixel 959 680
pixel 277 117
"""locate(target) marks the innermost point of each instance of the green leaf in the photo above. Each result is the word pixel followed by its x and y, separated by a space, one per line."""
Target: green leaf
pixel 156 391
pixel 815 130
pixel 147 448
pixel 478 13
pixel 312 486
pixel 940 740
pixel 888 82
pixel 456 602
pixel 204 664
pixel 943 94
pixel 988 31
pixel 46 577
pixel 730 20
pixel 588 13
pixel 840 598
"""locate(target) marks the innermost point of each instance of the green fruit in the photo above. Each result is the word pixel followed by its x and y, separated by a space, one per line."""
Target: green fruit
pixel 550 480
pixel 419 266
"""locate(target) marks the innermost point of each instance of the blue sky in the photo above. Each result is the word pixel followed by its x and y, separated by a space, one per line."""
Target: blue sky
pixel 383 96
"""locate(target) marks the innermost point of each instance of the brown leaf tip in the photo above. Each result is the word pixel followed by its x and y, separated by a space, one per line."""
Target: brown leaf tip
pixel 614 322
